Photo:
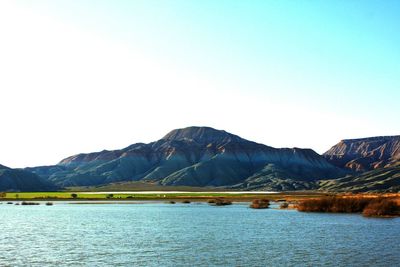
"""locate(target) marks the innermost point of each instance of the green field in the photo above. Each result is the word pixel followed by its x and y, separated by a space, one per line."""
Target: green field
pixel 246 196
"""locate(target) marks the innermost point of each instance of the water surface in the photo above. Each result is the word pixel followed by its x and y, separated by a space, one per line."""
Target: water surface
pixel 157 234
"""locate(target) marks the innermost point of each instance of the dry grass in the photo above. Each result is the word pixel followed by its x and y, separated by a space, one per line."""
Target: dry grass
pixel 382 207
pixel 367 205
pixel 260 203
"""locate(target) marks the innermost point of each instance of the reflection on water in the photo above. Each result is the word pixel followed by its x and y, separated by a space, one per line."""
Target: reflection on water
pixel 157 234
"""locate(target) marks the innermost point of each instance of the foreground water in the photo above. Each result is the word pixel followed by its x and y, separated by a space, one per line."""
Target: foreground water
pixel 157 234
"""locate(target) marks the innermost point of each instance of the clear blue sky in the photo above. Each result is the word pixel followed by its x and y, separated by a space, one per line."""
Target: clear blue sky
pixel 87 75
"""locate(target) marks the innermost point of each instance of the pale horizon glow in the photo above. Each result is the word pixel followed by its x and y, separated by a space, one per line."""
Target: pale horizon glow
pixel 83 76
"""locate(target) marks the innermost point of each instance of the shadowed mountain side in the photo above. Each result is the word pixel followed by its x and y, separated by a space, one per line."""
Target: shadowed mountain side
pixel 217 171
pixel 21 180
pixel 379 180
pixel 278 178
pixel 365 153
pixel 195 156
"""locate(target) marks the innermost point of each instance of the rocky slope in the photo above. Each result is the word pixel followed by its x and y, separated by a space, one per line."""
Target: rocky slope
pixel 365 154
pixel 375 162
pixel 195 156
pixel 379 180
pixel 20 180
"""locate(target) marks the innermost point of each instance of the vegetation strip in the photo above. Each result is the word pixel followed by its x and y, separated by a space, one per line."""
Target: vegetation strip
pixel 368 206
pixel 200 196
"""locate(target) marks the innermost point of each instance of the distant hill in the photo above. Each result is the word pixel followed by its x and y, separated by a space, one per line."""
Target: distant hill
pixel 379 180
pixel 206 157
pixel 365 154
pixel 374 160
pixel 196 156
pixel 21 180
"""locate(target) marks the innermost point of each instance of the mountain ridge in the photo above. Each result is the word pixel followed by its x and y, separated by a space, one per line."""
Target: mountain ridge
pixel 365 154
pixel 206 157
pixel 375 162
pixel 21 180
pixel 194 156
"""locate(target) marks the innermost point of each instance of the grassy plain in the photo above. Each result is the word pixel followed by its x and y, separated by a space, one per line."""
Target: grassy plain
pixel 194 196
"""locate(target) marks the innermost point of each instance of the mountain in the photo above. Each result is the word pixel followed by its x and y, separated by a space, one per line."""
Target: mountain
pixel 21 180
pixel 195 156
pixel 375 162
pixel 365 154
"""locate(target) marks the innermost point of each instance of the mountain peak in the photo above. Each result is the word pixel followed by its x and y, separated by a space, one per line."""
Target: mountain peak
pixel 201 135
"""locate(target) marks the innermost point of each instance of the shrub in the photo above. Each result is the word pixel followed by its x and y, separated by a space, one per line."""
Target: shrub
pixel 73 195
pixel 3 194
pixel 334 204
pixel 366 206
pixel 29 203
pixel 222 202
pixel 381 207
pixel 284 205
pixel 260 204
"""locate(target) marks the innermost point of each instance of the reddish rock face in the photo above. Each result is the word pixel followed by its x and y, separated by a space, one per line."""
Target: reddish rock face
pixel 366 153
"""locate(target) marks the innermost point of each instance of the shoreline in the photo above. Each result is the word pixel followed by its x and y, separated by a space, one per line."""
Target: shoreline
pixel 179 192
pixel 124 196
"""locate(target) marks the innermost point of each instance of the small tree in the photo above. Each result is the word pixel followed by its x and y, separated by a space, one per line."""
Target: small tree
pixel 73 195
pixel 110 196
pixel 3 194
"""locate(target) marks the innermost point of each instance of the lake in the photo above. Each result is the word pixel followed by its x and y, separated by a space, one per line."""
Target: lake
pixel 196 234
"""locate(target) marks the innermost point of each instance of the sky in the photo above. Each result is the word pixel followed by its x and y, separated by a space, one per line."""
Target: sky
pixel 83 75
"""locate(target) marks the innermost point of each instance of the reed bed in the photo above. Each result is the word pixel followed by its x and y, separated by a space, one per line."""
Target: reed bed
pixel 368 206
